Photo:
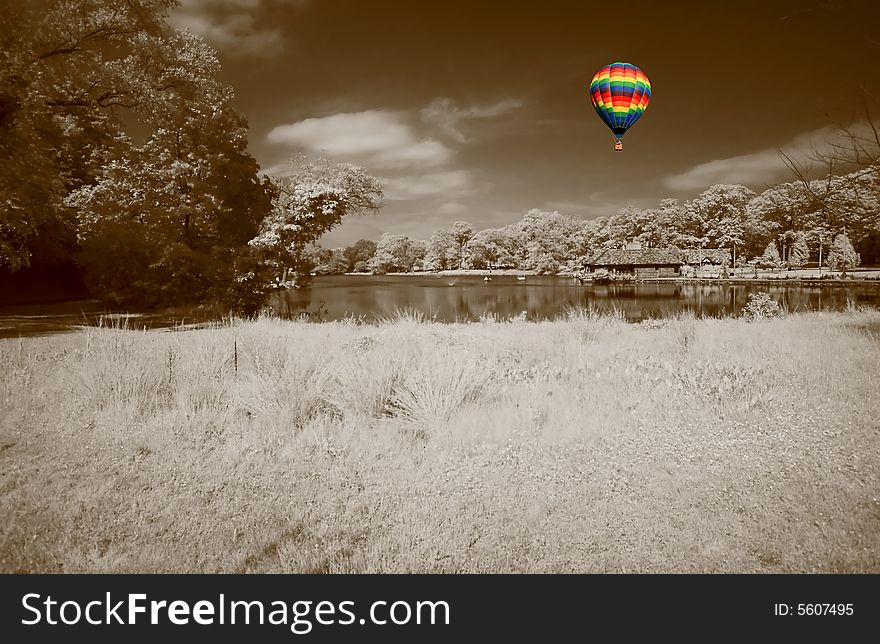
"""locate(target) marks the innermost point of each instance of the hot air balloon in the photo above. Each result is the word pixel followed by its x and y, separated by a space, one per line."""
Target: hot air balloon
pixel 620 92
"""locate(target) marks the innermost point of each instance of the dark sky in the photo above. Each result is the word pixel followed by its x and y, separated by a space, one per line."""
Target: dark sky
pixel 479 111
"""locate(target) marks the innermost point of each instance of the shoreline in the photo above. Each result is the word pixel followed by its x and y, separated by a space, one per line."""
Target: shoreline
pixel 475 272
pixel 871 278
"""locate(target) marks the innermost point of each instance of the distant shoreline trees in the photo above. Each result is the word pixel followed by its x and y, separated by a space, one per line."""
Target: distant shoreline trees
pixel 782 219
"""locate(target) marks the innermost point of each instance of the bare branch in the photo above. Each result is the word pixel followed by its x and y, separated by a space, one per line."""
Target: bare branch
pixel 871 121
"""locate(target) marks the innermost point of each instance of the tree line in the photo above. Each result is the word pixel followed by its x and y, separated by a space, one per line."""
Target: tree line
pixel 788 225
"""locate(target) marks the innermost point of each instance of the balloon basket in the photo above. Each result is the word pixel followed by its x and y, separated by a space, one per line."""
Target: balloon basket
pixel 618 145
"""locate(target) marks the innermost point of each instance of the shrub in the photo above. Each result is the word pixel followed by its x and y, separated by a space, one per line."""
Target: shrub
pixel 760 306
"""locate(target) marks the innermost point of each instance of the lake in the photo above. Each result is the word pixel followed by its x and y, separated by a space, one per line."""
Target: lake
pixel 459 298
pixel 468 298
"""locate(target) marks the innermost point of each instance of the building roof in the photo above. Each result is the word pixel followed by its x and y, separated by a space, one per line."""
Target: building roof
pixel 657 256
pixel 646 256
pixel 715 255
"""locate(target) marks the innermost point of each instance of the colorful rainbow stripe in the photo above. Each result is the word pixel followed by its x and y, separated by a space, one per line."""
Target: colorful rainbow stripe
pixel 620 92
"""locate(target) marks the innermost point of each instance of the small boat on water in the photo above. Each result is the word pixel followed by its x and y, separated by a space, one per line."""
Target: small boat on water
pixel 487 279
pixel 521 278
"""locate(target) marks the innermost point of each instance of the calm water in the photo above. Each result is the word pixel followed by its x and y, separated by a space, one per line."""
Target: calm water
pixel 22 320
pixel 457 298
pixel 450 299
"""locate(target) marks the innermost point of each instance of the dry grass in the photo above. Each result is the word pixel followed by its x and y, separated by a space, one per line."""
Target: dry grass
pixel 585 444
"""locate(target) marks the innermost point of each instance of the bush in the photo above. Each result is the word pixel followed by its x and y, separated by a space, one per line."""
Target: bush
pixel 760 307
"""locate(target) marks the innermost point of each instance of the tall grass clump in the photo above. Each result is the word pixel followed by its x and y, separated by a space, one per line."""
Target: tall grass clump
pixel 684 331
pixel 124 368
pixel 588 322
pixel 606 316
pixel 436 387
pixel 363 384
pixel 403 316
pixel 204 363
pixel 280 381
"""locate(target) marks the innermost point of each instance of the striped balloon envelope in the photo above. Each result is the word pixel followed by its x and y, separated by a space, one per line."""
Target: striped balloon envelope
pixel 620 92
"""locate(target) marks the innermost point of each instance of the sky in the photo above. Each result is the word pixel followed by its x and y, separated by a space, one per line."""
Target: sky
pixel 479 111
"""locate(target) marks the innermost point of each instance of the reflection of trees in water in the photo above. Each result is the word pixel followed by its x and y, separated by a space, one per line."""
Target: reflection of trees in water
pixel 299 303
pixel 291 303
pixel 463 309
pixel 472 299
pixel 387 300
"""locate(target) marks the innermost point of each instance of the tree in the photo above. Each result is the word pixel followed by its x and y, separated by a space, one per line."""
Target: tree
pixel 718 216
pixel 658 228
pixel 169 221
pixel 461 233
pixel 396 254
pixel 842 256
pixel 629 224
pixel 441 251
pixel 545 240
pixel 799 253
pixel 161 221
pixel 785 207
pixel 448 249
pixel 359 254
pixel 325 261
pixel 312 200
pixel 770 258
pixel 493 247
pixel 63 67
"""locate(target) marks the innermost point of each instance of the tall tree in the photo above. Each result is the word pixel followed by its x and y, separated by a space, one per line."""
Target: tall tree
pixel 842 256
pixel 441 252
pixel 799 253
pixel 312 200
pixel 169 222
pixel 358 254
pixel 770 258
pixel 62 69
pixel 157 222
pixel 848 192
pixel 461 233
pixel 397 254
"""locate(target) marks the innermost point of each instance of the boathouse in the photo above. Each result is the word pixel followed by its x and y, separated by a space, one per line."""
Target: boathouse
pixel 640 262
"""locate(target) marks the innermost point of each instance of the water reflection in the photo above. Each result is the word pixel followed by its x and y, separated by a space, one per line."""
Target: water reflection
pixel 470 298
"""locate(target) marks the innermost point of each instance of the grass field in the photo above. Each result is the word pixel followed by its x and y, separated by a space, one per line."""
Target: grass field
pixel 584 444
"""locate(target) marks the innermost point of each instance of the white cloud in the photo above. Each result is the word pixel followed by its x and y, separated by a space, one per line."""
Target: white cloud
pixel 426 152
pixel 379 137
pixel 446 116
pixel 762 167
pixel 452 208
pixel 414 166
pixel 448 183
pixel 232 26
